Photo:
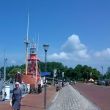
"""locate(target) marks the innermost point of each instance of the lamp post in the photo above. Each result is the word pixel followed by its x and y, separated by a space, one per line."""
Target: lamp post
pixel 45 46
pixel 102 69
pixel 4 78
pixel 54 75
pixel 5 61
pixel 62 79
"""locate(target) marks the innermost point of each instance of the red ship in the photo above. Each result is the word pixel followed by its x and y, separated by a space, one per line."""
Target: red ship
pixel 32 76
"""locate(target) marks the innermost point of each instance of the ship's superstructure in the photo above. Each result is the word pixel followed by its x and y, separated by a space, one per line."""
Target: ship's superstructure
pixel 33 75
pixel 33 62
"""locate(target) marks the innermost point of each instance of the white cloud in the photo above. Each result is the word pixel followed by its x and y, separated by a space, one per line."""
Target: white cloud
pixel 60 56
pixel 73 43
pixel 83 54
pixel 72 49
pixel 74 46
pixel 74 52
pixel 104 53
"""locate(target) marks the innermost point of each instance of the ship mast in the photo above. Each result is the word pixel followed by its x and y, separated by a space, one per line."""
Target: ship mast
pixel 27 44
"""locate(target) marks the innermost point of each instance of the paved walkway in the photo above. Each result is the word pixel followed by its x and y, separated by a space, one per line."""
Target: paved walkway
pixel 32 101
pixel 70 99
pixel 98 94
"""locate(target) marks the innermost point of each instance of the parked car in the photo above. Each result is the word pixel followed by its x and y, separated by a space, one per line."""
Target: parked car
pixel 100 82
pixel 103 82
pixel 107 82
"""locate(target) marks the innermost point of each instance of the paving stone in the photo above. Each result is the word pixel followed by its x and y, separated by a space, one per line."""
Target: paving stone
pixel 70 99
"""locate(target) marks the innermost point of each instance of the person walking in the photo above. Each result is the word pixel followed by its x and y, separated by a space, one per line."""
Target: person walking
pixel 16 97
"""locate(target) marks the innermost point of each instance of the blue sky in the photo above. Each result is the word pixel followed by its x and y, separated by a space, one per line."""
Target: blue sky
pixel 78 31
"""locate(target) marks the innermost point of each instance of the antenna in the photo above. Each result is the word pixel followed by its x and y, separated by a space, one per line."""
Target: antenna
pixel 27 44
pixel 38 42
pixel 28 27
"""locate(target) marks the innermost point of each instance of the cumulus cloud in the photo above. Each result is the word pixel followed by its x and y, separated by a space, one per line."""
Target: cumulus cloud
pixel 72 49
pixel 60 56
pixel 103 53
pixel 73 43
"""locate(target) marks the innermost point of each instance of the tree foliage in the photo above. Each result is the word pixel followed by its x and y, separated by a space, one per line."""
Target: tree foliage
pixel 107 75
pixel 79 72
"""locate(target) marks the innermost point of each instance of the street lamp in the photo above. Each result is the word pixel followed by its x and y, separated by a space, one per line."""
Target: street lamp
pixel 62 79
pixel 102 69
pixel 45 46
pixel 5 61
pixel 54 75
pixel 4 92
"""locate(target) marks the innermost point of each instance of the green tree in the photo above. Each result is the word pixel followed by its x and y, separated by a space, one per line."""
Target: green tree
pixel 70 73
pixel 107 75
pixel 13 71
pixel 51 66
pixel 78 72
pixel 95 74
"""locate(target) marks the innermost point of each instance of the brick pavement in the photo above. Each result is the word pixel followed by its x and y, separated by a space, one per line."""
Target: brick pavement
pixel 66 99
pixel 100 95
pixel 32 101
pixel 70 99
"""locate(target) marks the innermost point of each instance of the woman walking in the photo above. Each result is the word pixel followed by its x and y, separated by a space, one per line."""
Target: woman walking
pixel 16 97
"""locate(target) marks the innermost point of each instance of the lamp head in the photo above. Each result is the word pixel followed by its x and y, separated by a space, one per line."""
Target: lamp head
pixel 45 46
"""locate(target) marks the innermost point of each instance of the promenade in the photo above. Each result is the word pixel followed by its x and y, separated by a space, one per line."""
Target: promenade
pixel 67 98
pixel 100 95
pixel 70 99
pixel 32 101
